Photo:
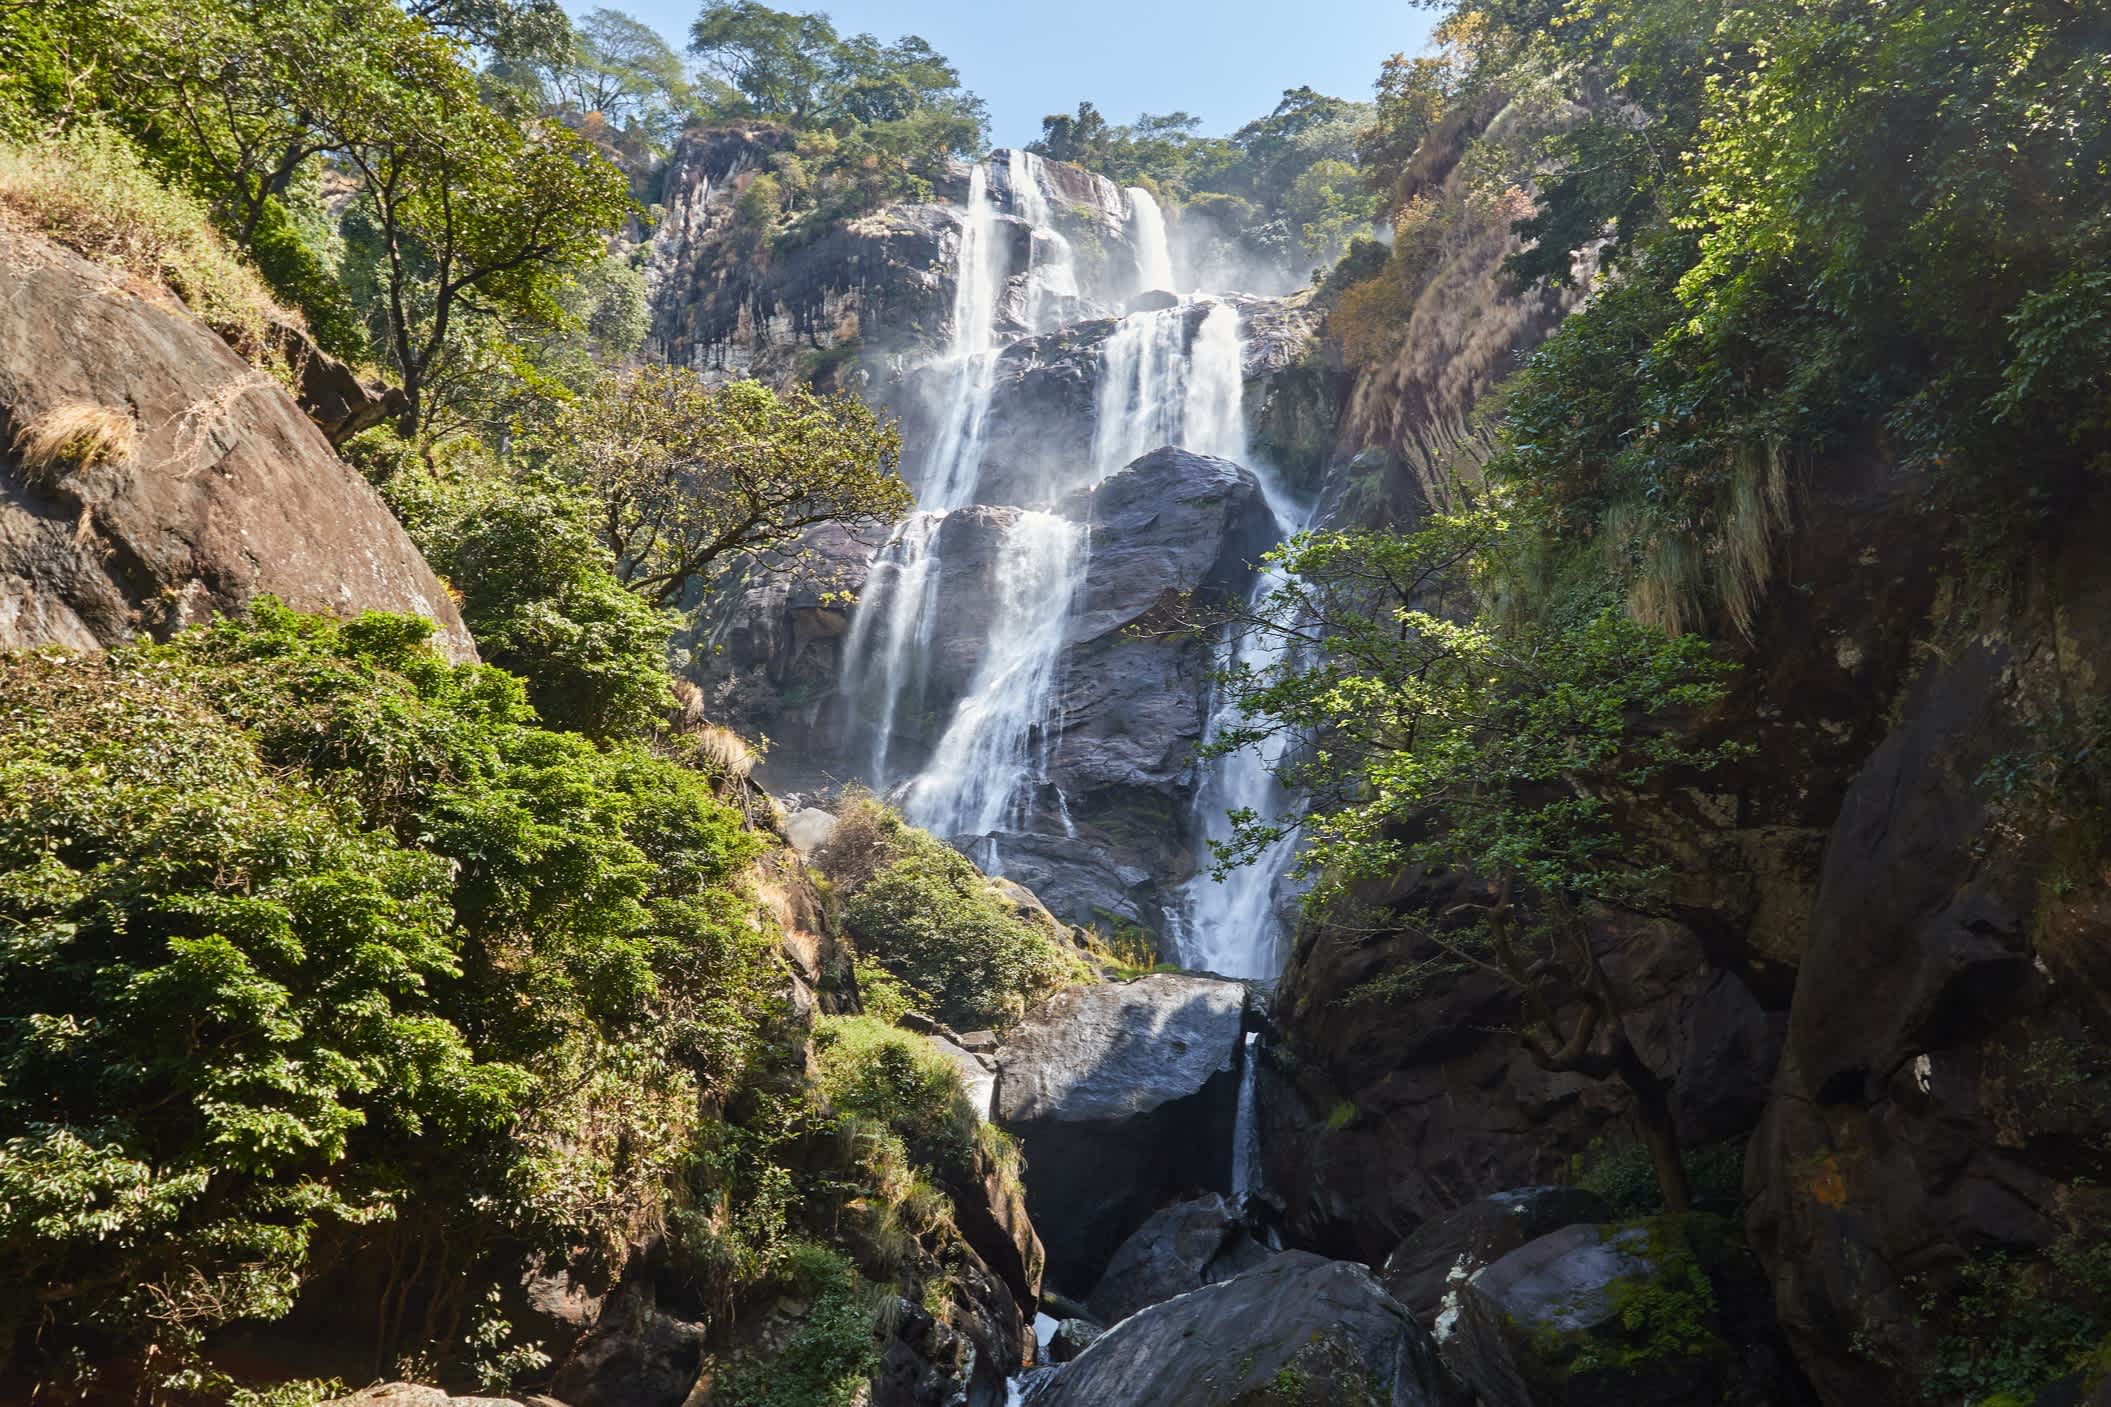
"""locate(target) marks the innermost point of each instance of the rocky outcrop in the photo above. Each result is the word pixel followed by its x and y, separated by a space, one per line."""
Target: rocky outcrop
pixel 1426 1271
pixel 1170 528
pixel 1941 1094
pixel 1297 1330
pixel 149 477
pixel 1121 1095
pixel 1180 1248
pixel 1655 1314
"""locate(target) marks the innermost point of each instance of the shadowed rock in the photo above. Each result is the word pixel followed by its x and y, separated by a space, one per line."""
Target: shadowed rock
pixel 1122 1096
pixel 1299 1329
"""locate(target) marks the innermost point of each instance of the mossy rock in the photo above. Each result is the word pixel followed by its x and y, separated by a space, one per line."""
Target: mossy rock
pixel 1663 1310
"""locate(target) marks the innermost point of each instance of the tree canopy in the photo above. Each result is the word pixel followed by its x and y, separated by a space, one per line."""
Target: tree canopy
pixel 691 476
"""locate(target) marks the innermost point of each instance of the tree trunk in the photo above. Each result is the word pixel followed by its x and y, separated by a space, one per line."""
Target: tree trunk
pixel 1660 1136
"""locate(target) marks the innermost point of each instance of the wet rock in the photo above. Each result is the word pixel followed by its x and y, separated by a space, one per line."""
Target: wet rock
pixel 1122 1096
pixel 221 489
pixel 1180 1248
pixel 1151 300
pixel 1428 1268
pixel 1299 1329
pixel 1670 1311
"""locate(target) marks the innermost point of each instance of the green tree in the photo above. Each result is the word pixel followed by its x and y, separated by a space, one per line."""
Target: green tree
pixel 471 213
pixel 1499 751
pixel 313 933
pixel 622 71
pixel 780 63
pixel 690 476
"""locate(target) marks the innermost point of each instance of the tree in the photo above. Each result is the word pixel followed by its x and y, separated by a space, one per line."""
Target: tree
pixel 471 212
pixel 779 62
pixel 621 69
pixel 690 475
pixel 1500 752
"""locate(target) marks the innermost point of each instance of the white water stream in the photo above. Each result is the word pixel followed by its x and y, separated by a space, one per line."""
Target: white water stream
pixel 1154 252
pixel 987 754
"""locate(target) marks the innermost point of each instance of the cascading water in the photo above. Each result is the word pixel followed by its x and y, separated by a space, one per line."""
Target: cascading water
pixel 884 650
pixel 985 756
pixel 1246 1124
pixel 1160 388
pixel 1230 926
pixel 1154 253
pixel 1051 282
pixel 948 477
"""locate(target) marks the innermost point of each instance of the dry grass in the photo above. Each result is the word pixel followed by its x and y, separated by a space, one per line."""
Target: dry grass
pixel 1680 576
pixel 74 435
pixel 88 191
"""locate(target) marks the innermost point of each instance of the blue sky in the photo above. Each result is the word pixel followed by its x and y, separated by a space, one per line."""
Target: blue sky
pixel 1225 61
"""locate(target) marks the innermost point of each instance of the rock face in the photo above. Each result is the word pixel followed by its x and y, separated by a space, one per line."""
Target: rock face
pixel 208 485
pixel 1180 1248
pixel 1427 1270
pixel 1122 1097
pixel 1298 1329
pixel 1667 1312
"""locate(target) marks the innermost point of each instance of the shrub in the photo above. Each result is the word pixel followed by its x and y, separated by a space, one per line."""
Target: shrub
pixel 898 1080
pixel 936 924
pixel 537 586
pixel 312 930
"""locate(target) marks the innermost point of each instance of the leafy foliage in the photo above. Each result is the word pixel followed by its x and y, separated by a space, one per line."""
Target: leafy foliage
pixel 690 475
pixel 313 932
pixel 929 917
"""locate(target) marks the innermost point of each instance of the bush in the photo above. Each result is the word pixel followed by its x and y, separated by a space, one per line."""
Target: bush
pixel 931 918
pixel 313 930
pixel 537 586
pixel 896 1079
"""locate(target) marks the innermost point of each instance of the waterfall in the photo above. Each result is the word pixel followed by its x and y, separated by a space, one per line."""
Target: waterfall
pixel 1230 925
pixel 1051 277
pixel 949 472
pixel 1246 1125
pixel 975 776
pixel 1154 254
pixel 1158 388
pixel 889 631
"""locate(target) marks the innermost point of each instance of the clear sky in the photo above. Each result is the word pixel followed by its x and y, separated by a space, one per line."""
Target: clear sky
pixel 1226 61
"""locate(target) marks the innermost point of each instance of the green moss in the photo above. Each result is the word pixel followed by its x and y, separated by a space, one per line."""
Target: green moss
pixel 1341 1115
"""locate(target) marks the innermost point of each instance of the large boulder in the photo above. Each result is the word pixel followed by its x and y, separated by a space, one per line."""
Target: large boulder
pixel 1299 1329
pixel 1426 1271
pixel 205 485
pixel 1668 1311
pixel 1122 1095
pixel 1180 1248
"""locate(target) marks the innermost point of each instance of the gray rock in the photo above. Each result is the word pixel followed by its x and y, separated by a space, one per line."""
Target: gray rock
pixel 1170 522
pixel 1151 300
pixel 1298 1329
pixel 1426 1270
pixel 226 490
pixel 1071 1338
pixel 1180 1248
pixel 1657 1313
pixel 1122 1096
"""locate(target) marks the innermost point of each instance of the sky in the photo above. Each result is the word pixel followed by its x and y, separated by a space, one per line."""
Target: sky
pixel 1226 61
